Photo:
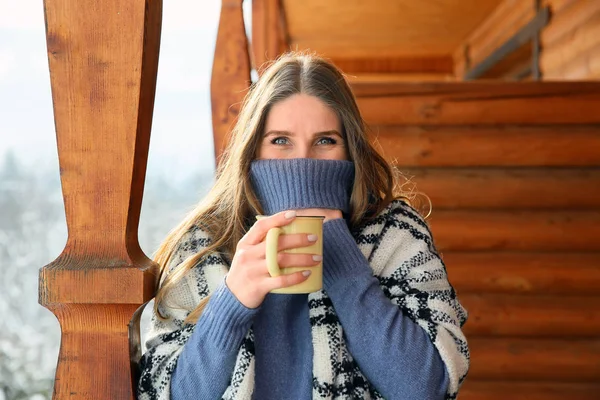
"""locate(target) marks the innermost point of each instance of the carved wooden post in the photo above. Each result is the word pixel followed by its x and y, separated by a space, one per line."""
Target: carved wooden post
pixel 269 31
pixel 230 73
pixel 103 58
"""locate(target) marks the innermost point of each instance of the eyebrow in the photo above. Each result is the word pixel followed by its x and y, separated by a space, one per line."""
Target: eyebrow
pixel 288 133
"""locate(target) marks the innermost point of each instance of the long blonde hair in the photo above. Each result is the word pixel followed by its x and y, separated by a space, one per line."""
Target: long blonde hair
pixel 228 210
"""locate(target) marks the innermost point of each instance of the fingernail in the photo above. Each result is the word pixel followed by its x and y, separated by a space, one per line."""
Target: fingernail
pixel 290 214
pixel 306 273
pixel 317 257
pixel 312 238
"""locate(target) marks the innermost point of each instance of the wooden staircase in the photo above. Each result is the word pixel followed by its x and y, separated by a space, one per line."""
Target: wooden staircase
pixel 513 172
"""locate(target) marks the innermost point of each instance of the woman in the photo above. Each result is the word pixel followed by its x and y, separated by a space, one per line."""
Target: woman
pixel 387 323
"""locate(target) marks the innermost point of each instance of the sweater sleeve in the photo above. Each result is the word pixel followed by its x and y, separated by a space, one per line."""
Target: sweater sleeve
pixel 193 358
pixel 394 352
pixel 206 363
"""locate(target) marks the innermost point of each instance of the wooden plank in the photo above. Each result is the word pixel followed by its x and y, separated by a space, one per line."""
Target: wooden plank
pixel 230 74
pixel 557 6
pixel 362 78
pixel 490 23
pixel 492 146
pixel 449 103
pixel 534 390
pixel 436 64
pixel 518 59
pixel 392 27
pixel 535 359
pixel 269 35
pixel 103 59
pixel 567 20
pixel 538 188
pixel 585 66
pixel 532 316
pixel 517 18
pixel 581 39
pixel 516 230
pixel 545 273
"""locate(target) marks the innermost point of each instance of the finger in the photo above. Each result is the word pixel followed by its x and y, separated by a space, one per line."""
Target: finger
pixel 287 242
pixel 259 230
pixel 283 281
pixel 288 260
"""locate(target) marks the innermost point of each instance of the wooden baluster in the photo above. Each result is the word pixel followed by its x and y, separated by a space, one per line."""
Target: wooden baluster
pixel 269 31
pixel 231 72
pixel 103 58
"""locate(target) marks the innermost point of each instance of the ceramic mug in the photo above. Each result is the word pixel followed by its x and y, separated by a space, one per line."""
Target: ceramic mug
pixel 304 224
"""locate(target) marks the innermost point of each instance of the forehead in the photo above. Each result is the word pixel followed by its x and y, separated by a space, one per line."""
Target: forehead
pixel 301 112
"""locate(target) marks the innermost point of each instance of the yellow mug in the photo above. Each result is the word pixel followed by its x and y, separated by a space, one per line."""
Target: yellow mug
pixel 305 224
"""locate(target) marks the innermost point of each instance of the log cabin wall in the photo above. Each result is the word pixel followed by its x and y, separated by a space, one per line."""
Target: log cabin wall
pixel 512 171
pixel 568 45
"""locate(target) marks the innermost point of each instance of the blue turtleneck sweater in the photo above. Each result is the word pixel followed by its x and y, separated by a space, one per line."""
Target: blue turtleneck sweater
pixel 393 352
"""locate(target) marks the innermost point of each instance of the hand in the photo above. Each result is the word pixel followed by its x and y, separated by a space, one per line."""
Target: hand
pixel 325 212
pixel 249 279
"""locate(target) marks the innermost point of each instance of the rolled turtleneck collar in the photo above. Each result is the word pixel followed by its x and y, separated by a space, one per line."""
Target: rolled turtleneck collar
pixel 297 183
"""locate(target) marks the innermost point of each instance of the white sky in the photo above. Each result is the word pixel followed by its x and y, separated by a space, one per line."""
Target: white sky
pixel 181 138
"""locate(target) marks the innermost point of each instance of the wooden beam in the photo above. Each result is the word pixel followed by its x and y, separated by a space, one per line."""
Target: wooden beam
pixel 440 64
pixel 514 188
pixel 580 40
pixel 230 74
pixel 531 273
pixel 535 316
pixel 269 31
pixel 103 59
pixel 474 389
pixel 515 18
pixel 490 103
pixel 524 35
pixel 566 21
pixel 523 230
pixel 490 146
pixel 531 359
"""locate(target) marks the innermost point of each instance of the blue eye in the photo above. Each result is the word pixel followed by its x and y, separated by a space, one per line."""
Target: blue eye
pixel 279 141
pixel 326 140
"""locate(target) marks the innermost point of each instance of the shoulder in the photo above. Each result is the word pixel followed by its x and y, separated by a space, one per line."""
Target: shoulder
pixel 400 213
pixel 195 239
pixel 400 220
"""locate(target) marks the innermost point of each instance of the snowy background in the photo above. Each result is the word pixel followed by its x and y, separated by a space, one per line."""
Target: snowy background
pixel 32 219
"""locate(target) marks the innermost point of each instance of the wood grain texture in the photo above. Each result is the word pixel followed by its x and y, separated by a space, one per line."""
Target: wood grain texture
pixel 522 230
pixel 556 6
pixel 535 316
pixel 530 103
pixel 515 18
pixel 441 64
pixel 103 59
pixel 526 359
pixel 269 32
pixel 532 390
pixel 230 74
pixel 563 23
pixel 535 273
pixel 585 66
pixel 489 146
pixel 393 27
pixel 514 188
pixel 581 39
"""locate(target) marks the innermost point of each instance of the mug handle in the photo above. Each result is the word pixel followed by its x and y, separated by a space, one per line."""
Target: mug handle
pixel 272 244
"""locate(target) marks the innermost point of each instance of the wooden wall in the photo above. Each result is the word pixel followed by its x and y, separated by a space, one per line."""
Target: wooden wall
pixel 498 27
pixel 569 43
pixel 512 170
